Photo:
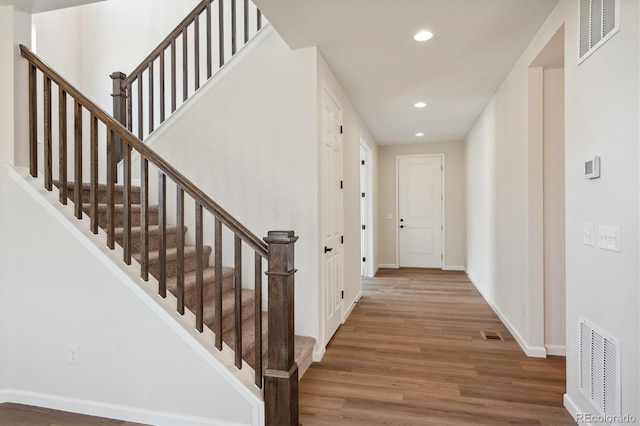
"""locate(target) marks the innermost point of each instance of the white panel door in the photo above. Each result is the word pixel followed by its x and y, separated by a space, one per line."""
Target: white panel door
pixel 331 211
pixel 420 211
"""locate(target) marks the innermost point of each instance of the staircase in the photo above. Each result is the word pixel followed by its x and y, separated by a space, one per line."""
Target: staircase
pixel 303 344
pixel 219 296
pixel 222 298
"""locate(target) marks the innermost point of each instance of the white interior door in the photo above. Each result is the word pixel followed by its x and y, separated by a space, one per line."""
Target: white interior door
pixel 420 201
pixel 331 210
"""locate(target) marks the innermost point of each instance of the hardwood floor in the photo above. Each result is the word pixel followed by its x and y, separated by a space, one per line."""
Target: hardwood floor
pixel 412 353
pixel 24 415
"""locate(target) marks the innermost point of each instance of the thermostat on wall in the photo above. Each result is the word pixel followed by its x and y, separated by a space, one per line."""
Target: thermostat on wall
pixel 592 168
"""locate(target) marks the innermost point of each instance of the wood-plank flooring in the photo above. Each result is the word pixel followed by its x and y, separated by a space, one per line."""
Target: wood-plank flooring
pixel 25 415
pixel 412 353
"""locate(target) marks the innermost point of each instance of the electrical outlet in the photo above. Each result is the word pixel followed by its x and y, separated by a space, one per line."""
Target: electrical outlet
pixel 74 354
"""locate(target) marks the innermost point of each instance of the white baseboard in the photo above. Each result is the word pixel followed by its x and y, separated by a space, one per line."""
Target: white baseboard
pixel 387 266
pixel 318 354
pixel 101 409
pixel 530 351
pixel 453 268
pixel 351 306
pixel 375 271
pixel 556 350
pixel 571 407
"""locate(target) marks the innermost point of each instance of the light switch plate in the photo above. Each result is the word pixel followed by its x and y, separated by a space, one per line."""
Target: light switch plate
pixel 587 234
pixel 609 237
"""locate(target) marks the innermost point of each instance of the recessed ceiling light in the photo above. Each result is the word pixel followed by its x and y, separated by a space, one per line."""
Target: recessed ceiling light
pixel 423 36
pixel 419 134
pixel 420 104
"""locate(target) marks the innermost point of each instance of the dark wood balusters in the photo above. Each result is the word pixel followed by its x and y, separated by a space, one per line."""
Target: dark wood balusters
pixel 234 30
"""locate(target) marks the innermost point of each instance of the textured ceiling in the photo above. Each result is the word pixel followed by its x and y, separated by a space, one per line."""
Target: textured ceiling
pixel 369 46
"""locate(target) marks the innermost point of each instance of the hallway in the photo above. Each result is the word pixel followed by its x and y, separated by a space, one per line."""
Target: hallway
pixel 412 353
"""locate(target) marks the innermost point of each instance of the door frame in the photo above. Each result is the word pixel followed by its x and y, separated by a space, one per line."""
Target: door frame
pixel 444 202
pixel 364 148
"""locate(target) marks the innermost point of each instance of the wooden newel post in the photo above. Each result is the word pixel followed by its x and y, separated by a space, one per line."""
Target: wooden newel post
pixel 119 109
pixel 281 375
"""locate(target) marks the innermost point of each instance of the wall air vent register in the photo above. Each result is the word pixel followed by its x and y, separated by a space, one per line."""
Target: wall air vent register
pixel 599 21
pixel 599 374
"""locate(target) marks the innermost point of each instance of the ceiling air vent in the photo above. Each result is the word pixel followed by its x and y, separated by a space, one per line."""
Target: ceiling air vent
pixel 599 21
pixel 599 369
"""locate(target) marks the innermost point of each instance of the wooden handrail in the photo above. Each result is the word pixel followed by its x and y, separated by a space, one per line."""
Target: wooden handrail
pixel 189 187
pixel 166 42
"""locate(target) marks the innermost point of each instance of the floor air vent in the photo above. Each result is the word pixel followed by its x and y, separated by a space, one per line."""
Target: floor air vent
pixel 599 369
pixel 491 335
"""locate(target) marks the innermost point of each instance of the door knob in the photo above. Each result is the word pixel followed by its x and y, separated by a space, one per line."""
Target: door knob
pixel 401 220
pixel 401 226
pixel 327 249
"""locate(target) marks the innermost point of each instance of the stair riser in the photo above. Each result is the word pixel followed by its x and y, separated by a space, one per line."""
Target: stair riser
pixel 119 218
pixel 209 292
pixel 172 265
pixel 118 195
pixel 154 242
pixel 102 194
pixel 229 320
pixel 248 346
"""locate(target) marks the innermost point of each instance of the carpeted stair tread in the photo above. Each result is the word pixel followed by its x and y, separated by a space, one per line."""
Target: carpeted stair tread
pixel 172 254
pixel 153 230
pixel 102 192
pixel 303 353
pixel 154 237
pixel 208 278
pixel 303 344
pixel 248 338
pixel 118 208
pixel 119 214
pixel 228 308
pixel 172 260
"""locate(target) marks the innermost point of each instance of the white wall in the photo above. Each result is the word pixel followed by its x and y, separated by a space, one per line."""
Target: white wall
pixel 354 131
pixel 455 212
pixel 601 112
pixel 14 29
pixel 6 154
pixel 480 161
pixel 86 44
